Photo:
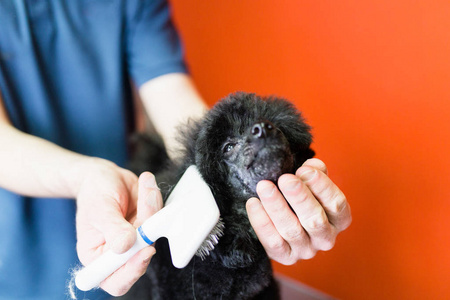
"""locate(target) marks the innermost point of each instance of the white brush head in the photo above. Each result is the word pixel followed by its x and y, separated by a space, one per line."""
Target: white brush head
pixel 188 218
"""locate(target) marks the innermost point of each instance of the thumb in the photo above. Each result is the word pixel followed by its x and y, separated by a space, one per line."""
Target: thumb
pixel 119 234
pixel 149 198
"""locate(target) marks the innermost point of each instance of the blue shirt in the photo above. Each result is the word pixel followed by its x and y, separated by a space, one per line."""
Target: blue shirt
pixel 65 69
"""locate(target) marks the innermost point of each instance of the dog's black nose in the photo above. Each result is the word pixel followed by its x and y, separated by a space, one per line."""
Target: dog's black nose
pixel 261 129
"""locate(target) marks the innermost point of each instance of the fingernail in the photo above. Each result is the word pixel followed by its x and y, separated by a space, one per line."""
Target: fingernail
pixel 292 185
pixel 147 260
pixel 149 257
pixel 150 182
pixel 267 191
pixel 253 204
pixel 308 175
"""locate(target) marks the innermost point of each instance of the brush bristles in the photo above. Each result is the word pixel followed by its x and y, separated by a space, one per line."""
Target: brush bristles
pixel 213 238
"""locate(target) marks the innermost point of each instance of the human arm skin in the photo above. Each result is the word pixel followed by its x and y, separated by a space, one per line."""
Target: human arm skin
pixel 171 100
pixel 108 206
pixel 32 166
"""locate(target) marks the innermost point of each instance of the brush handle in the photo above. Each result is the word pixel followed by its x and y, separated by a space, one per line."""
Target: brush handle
pixel 92 275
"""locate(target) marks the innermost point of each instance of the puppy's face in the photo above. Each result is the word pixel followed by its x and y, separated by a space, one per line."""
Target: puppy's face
pixel 261 151
pixel 245 139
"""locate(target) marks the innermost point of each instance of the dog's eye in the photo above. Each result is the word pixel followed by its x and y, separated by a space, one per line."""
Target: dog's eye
pixel 228 147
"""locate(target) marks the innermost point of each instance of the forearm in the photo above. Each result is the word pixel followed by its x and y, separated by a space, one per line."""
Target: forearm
pixel 170 100
pixel 35 167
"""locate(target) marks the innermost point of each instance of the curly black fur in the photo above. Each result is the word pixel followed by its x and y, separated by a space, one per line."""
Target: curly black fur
pixel 241 140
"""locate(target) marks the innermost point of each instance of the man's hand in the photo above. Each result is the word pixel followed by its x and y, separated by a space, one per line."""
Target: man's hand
pixel 320 212
pixel 111 203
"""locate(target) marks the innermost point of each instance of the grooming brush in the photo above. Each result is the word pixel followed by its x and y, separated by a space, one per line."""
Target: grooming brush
pixel 190 221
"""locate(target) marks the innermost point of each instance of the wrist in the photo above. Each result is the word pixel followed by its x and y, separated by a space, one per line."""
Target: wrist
pixel 83 169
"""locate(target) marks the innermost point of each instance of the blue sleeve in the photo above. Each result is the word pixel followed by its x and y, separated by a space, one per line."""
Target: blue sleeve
pixel 153 47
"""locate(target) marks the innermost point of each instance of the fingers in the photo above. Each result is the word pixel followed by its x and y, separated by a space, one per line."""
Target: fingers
pixel 316 164
pixel 277 226
pixel 119 234
pixel 329 196
pixel 275 246
pixel 302 217
pixel 123 279
pixel 149 201
pixel 309 211
pixel 102 227
pixel 149 198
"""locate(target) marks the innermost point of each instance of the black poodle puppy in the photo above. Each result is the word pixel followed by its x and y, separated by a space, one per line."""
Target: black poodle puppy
pixel 243 139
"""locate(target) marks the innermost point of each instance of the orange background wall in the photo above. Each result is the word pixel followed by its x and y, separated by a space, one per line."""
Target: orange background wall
pixel 373 79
